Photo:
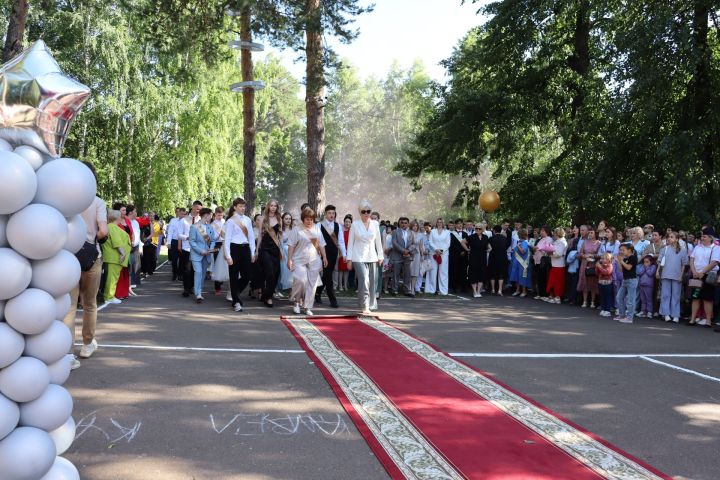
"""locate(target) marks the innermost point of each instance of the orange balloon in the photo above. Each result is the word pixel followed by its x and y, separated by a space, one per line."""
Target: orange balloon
pixel 489 201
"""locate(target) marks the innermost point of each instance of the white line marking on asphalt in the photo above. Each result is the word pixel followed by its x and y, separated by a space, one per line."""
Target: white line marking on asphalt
pixel 584 355
pixel 681 369
pixel 162 264
pixel 198 349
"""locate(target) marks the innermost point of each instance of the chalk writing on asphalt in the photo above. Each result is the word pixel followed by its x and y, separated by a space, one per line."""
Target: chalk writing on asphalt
pixel 110 429
pixel 255 424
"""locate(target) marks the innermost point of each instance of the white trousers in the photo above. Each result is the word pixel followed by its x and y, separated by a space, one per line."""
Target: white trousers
pixel 305 278
pixel 437 277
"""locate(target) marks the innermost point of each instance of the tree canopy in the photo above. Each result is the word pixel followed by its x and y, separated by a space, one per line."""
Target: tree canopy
pixel 582 110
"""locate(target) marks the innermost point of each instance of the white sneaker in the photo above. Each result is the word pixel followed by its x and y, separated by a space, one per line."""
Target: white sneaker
pixel 537 297
pixel 228 297
pixel 308 312
pixel 237 307
pixel 296 309
pixel 75 363
pixel 702 322
pixel 115 301
pixel 557 301
pixel 133 286
pixel 479 295
pixel 676 320
pixel 667 318
pixel 523 295
pixel 603 313
pixel 86 351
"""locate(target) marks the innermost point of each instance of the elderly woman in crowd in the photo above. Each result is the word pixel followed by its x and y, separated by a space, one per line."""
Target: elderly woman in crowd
pixel 365 251
pixel 306 259
pixel 116 253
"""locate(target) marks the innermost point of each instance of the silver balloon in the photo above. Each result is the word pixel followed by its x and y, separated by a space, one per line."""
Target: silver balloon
pixel 38 102
pixel 77 233
pixel 3 225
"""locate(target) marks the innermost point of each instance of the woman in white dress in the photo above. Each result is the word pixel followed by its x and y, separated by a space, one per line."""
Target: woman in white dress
pixel 306 259
pixel 365 250
pixel 285 282
pixel 437 276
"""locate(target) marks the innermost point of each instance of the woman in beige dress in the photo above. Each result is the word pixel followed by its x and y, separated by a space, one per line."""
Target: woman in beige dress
pixel 306 259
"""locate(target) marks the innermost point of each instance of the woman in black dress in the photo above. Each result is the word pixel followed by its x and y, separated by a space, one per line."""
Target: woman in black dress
pixel 498 261
pixel 270 252
pixel 478 243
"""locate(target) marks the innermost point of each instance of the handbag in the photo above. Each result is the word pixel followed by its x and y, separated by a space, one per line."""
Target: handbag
pixel 438 258
pixel 87 255
pixel 590 270
pixel 711 278
pixel 695 283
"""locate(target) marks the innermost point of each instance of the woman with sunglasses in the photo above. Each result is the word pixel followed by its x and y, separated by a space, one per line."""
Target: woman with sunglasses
pixel 365 251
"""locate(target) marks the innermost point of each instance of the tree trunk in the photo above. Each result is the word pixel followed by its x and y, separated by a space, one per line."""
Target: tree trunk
pixel 249 147
pixel 15 29
pixel 314 105
pixel 701 91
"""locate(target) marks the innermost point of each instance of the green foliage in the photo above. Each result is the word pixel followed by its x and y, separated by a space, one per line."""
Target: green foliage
pixel 583 110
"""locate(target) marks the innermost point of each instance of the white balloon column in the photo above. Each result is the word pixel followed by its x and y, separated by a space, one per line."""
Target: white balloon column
pixel 41 198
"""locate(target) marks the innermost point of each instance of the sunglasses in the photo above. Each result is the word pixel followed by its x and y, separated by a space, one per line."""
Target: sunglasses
pixel 365 212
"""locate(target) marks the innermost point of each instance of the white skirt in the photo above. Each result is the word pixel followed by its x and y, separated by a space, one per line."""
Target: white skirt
pixel 220 271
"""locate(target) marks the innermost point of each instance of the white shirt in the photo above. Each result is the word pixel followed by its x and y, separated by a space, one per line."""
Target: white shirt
pixel 365 244
pixel 330 228
pixel 702 256
pixel 136 233
pixel 182 229
pixel 172 229
pixel 440 241
pixel 404 232
pixel 218 226
pixel 234 234
pixel 304 252
pixel 557 259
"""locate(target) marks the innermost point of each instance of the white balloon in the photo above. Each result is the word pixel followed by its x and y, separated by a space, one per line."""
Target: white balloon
pixel 50 345
pixel 5 146
pixel 62 306
pixel 31 312
pixel 3 226
pixel 49 411
pixel 25 380
pixel 19 182
pixel 15 272
pixel 26 454
pixel 37 231
pixel 62 469
pixel 12 344
pixel 77 233
pixel 63 436
pixel 60 370
pixel 9 416
pixel 56 275
pixel 33 157
pixel 67 185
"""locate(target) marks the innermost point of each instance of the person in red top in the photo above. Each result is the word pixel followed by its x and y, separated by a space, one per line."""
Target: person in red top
pixel 343 269
pixel 604 269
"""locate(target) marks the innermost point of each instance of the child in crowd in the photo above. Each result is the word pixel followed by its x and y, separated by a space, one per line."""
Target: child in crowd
pixel 625 300
pixel 646 274
pixel 604 271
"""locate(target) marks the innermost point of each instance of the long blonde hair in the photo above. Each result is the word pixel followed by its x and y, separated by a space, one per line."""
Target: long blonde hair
pixel 266 215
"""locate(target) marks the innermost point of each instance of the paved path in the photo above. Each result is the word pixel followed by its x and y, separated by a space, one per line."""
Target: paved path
pixel 186 391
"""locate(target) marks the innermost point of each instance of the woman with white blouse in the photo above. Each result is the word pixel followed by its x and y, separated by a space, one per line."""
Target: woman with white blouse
pixel 437 277
pixel 306 259
pixel 365 250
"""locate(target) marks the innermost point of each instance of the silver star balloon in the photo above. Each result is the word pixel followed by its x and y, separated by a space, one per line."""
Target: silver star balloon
pixel 37 101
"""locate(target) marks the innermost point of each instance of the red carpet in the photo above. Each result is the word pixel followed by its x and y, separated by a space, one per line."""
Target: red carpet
pixel 428 416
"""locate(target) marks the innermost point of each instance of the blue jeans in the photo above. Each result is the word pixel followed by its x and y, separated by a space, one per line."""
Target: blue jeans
pixel 607 297
pixel 200 267
pixel 626 297
pixel 670 297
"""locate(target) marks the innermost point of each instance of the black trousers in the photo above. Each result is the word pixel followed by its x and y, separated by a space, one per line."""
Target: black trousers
pixel 239 270
pixel 174 257
pixel 327 279
pixel 270 259
pixel 457 271
pixel 542 271
pixel 148 261
pixel 187 271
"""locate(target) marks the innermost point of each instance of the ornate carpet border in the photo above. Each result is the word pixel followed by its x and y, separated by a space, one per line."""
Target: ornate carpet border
pixel 595 455
pixel 406 447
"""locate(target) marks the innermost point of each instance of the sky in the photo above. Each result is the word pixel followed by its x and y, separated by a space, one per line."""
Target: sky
pixel 403 31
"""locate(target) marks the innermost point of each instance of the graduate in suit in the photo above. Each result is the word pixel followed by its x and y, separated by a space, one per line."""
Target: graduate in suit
pixel 332 232
pixel 458 258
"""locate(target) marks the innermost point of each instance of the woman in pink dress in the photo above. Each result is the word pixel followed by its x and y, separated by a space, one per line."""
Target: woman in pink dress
pixel 588 283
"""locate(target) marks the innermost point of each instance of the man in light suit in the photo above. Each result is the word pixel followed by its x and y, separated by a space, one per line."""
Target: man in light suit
pixel 202 239
pixel 401 255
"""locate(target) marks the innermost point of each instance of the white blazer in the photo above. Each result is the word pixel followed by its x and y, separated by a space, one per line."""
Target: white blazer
pixel 365 245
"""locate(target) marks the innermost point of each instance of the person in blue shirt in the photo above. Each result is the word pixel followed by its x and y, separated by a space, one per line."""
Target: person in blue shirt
pixel 202 246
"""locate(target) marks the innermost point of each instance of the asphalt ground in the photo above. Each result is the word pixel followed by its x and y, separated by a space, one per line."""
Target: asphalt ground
pixel 185 391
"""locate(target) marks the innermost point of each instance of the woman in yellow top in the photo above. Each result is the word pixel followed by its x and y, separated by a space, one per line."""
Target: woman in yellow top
pixel 150 246
pixel 115 250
